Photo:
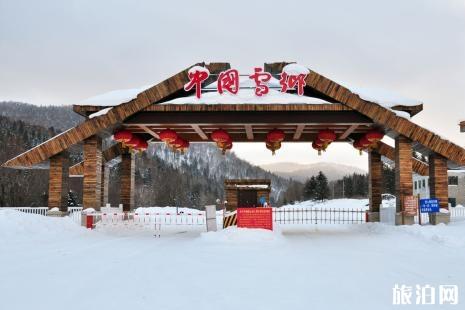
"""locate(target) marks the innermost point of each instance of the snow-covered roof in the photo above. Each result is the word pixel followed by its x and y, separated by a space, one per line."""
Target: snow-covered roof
pixel 246 95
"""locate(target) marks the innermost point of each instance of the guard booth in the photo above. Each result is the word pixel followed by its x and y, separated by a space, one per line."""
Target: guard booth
pixel 246 193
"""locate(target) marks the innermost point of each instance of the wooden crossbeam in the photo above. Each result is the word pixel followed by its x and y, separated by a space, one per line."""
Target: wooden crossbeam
pixel 349 130
pixel 249 131
pixel 200 132
pixel 109 154
pixel 149 131
pixel 298 131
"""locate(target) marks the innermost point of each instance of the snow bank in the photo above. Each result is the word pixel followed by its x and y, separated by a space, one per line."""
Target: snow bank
pixel 344 203
pixel 242 236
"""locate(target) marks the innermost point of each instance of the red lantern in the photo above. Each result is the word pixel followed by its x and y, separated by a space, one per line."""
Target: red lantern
pixel 184 146
pixel 326 136
pixel 177 144
pixel 227 146
pixel 134 142
pixel 318 145
pixel 273 146
pixel 361 144
pixel 122 136
pixel 220 136
pixel 142 145
pixel 275 135
pixel 374 136
pixel 168 136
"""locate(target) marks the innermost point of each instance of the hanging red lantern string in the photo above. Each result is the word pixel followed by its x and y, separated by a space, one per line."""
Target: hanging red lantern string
pixel 221 137
pixel 177 144
pixel 168 136
pixel 122 136
pixel 374 136
pixel 326 136
pixel 318 145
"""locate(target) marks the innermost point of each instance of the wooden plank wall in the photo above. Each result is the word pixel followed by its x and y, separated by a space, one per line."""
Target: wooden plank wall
pixel 91 195
pixel 438 179
pixel 127 181
pixel 375 174
pixel 59 181
pixel 403 170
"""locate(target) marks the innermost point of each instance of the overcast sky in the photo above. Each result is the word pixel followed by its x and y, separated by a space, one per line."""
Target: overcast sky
pixel 60 52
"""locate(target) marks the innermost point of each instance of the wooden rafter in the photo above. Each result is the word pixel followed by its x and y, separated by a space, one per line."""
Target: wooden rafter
pixel 349 130
pixel 249 131
pixel 164 90
pixel 200 132
pixel 150 131
pixel 298 131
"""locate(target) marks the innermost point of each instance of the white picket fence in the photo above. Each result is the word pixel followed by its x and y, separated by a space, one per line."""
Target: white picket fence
pixel 388 215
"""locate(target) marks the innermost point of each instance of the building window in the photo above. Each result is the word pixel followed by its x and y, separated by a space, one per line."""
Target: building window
pixel 415 185
pixel 424 183
pixel 454 180
pixel 453 202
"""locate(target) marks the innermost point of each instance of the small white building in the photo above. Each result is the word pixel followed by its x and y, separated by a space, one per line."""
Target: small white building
pixel 456 187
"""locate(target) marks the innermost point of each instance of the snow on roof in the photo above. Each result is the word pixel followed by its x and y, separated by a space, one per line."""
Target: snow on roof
pixel 246 95
pixel 252 186
pixel 295 69
pixel 113 98
pixel 100 113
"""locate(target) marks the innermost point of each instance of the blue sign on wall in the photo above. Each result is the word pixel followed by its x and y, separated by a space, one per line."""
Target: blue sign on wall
pixel 429 205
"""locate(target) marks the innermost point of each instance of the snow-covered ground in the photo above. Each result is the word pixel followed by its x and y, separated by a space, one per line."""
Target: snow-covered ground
pixel 51 263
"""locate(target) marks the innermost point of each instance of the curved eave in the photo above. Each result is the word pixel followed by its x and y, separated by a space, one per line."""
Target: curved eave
pixel 412 110
pixel 462 126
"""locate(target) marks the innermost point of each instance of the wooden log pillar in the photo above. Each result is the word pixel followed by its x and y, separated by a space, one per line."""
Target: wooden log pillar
pixel 127 175
pixel 91 196
pixel 403 176
pixel 59 181
pixel 105 184
pixel 375 175
pixel 439 187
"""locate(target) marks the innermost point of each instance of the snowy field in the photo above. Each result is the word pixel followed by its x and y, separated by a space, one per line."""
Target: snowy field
pixel 52 263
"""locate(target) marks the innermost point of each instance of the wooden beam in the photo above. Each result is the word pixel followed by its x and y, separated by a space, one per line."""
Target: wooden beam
pixel 58 181
pixel 387 151
pixel 375 181
pixel 149 131
pixel 127 184
pixel 171 87
pixel 386 118
pixel 438 179
pixel 248 117
pixel 109 154
pixel 249 131
pixel 298 131
pixel 349 130
pixel 403 171
pixel 200 132
pixel 91 194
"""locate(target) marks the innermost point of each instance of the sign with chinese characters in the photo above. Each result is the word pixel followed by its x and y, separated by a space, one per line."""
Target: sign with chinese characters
pixel 429 205
pixel 410 205
pixel 292 77
pixel 255 218
pixel 446 294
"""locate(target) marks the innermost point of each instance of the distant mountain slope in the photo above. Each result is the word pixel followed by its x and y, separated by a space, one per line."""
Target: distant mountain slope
pixel 58 117
pixel 301 172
